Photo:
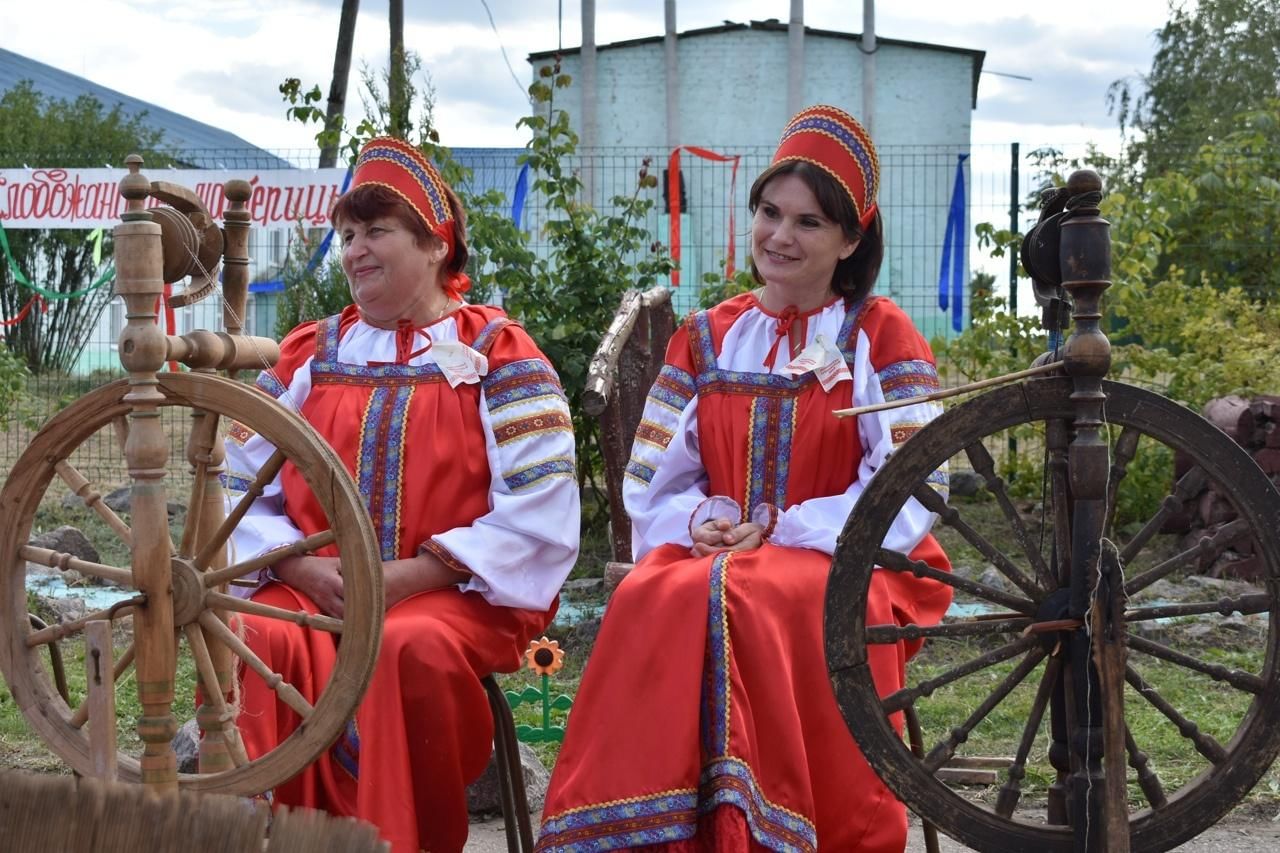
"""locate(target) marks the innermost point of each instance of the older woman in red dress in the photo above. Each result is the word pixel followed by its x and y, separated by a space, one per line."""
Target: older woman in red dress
pixel 455 428
pixel 706 721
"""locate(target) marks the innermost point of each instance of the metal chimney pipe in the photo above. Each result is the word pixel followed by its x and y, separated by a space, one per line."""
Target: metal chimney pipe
pixel 795 58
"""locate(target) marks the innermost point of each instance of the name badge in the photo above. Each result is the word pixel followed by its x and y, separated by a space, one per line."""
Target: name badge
pixel 459 362
pixel 826 362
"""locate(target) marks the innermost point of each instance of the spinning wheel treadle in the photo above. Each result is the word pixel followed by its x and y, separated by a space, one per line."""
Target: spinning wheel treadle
pixel 1025 672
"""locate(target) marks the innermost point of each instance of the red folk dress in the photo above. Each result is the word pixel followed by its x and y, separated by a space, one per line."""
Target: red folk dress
pixel 481 475
pixel 705 720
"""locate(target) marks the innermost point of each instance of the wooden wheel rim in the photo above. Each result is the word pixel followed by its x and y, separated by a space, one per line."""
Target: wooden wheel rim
pixel 28 481
pixel 1199 802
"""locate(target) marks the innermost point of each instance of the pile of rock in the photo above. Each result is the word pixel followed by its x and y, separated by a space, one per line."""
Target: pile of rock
pixel 1255 426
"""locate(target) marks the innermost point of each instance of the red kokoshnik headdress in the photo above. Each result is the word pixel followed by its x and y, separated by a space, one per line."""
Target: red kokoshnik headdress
pixel 395 164
pixel 835 142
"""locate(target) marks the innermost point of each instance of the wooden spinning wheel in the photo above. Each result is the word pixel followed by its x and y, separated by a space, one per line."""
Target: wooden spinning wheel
pixel 1062 633
pixel 180 583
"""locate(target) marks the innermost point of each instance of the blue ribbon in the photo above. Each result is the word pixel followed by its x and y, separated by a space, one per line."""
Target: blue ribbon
pixel 517 200
pixel 277 285
pixel 951 272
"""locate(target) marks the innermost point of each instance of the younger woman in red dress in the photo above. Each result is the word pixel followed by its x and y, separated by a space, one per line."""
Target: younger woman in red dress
pixel 705 720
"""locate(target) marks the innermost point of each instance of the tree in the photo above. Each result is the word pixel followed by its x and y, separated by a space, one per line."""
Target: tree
pixel 337 103
pixel 36 130
pixel 1213 60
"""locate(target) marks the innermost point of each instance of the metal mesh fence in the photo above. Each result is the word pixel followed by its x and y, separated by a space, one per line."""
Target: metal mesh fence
pixel 918 186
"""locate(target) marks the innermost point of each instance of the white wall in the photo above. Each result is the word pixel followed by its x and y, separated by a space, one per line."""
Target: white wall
pixel 733 100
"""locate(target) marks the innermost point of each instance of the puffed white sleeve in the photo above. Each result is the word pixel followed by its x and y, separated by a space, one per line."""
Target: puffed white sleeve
pixel 666 482
pixel 816 523
pixel 521 551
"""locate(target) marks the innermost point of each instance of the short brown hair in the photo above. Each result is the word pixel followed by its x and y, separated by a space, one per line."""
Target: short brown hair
pixel 368 202
pixel 855 276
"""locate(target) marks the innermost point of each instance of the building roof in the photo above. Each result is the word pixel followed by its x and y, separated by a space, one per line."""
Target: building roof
pixel 773 24
pixel 195 144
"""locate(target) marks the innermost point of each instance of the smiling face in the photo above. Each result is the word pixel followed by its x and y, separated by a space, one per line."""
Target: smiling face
pixel 392 274
pixel 795 246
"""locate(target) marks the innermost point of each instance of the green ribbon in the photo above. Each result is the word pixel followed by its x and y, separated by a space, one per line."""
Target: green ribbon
pixel 18 276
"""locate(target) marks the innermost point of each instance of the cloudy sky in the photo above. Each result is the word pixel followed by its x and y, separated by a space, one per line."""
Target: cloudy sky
pixel 222 62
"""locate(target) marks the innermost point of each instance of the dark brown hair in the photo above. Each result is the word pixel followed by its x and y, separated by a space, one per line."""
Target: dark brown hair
pixel 368 202
pixel 854 276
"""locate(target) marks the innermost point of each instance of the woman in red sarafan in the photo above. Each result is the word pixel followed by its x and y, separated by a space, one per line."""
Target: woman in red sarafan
pixel 705 720
pixel 457 432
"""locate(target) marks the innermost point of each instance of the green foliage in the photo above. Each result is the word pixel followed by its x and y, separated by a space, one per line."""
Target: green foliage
pixel 36 130
pixel 717 287
pixel 310 293
pixel 996 342
pixel 1214 59
pixel 13 378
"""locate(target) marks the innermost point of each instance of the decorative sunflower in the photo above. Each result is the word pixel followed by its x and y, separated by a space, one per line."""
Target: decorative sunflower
pixel 545 656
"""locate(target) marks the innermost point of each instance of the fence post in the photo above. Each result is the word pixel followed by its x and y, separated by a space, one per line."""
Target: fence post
pixel 1014 202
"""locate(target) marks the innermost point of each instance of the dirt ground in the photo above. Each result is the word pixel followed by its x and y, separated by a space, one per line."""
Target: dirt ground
pixel 1239 832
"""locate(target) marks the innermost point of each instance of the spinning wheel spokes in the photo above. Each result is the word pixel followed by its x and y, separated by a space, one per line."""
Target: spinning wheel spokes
pixel 1196 726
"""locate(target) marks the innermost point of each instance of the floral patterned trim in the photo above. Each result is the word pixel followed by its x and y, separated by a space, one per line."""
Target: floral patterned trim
pixel 619 824
pixel 235 483
pixel 340 372
pixel 701 342
pixel 526 477
pixel 381 461
pixel 903 430
pixel 529 426
pixel 639 471
pixel 852 327
pixel 729 781
pixel 716 705
pixel 756 384
pixel 444 555
pixel 520 381
pixel 239 433
pixel 268 381
pixel 673 388
pixel 488 334
pixel 653 434
pixel 771 428
pixel 908 379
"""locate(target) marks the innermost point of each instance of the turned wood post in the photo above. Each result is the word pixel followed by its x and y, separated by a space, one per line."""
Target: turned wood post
pixel 140 282
pixel 1098 816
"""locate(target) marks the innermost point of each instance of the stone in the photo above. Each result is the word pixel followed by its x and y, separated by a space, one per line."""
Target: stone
pixel 186 745
pixel 484 796
pixel 121 500
pixel 68 540
pixel 966 484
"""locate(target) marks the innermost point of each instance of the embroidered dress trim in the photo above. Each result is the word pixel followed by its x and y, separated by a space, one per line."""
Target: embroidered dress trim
pixel 523 478
pixel 380 465
pixel 520 381
pixel 714 718
pixel 729 781
pixel 239 433
pixel 529 426
pixel 701 342
pixel 444 555
pixel 673 388
pixel 655 819
pixel 654 435
pixel 346 749
pixel 908 379
pixel 771 428
pixel 235 483
pixel 485 339
pixel 638 470
pixel 268 382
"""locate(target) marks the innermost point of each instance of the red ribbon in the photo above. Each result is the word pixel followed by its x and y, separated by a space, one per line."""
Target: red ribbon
pixel 26 309
pixel 170 321
pixel 673 203
pixel 785 319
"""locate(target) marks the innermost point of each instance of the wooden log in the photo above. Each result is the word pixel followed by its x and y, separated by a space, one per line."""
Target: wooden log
pixel 1214 509
pixel 1268 460
pixel 614 572
pixel 967 776
pixel 1225 412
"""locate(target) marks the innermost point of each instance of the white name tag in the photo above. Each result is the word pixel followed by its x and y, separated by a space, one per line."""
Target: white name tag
pixel 825 360
pixel 459 362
